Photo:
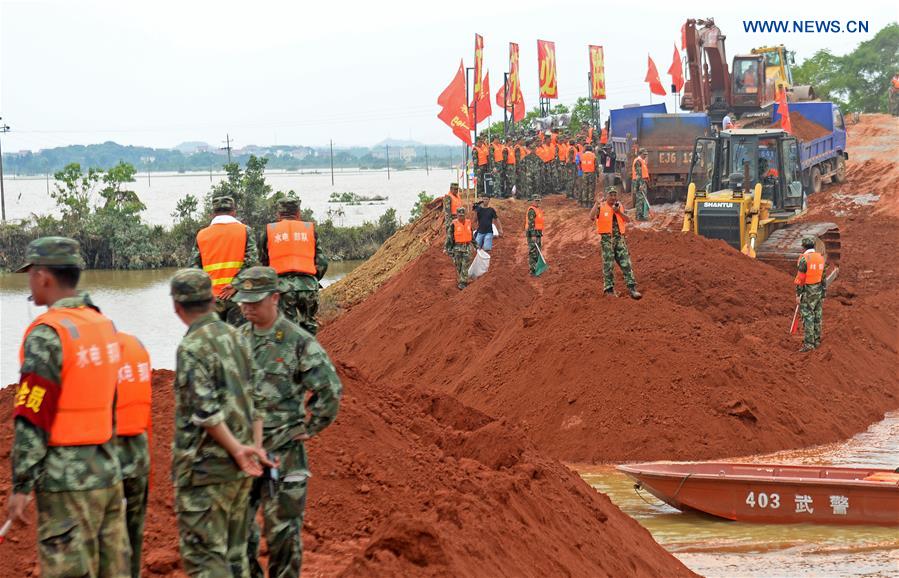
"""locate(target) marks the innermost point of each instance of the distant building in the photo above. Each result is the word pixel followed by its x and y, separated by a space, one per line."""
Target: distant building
pixel 407 153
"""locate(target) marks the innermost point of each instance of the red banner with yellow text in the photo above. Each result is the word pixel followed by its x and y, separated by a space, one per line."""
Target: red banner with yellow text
pixel 597 73
pixel 515 99
pixel 546 60
pixel 478 62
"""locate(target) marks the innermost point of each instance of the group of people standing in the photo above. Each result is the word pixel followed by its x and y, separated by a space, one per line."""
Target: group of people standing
pixel 551 162
pixel 252 385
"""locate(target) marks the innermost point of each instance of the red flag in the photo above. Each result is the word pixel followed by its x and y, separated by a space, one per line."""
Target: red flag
pixel 483 100
pixel 455 112
pixel 652 77
pixel 784 111
pixel 517 111
pixel 676 72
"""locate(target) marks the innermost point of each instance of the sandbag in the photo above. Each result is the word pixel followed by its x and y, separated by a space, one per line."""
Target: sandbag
pixel 480 264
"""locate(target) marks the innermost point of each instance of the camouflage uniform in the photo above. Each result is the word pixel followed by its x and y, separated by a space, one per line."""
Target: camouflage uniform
pixel 614 250
pixel 78 489
pixel 519 172
pixel 811 307
pixel 215 382
pixel 641 202
pixel 294 365
pixel 226 308
pixel 532 165
pixel 134 457
pixel 535 241
pixel 448 217
pixel 299 291
pixel 461 254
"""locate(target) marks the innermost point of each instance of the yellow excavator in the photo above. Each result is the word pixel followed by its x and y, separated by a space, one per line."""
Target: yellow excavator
pixel 746 188
pixel 778 71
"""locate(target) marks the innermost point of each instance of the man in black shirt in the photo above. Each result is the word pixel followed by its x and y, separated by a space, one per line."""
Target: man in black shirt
pixel 486 216
pixel 607 162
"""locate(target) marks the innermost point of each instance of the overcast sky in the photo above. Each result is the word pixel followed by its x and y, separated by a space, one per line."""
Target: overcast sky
pixel 159 73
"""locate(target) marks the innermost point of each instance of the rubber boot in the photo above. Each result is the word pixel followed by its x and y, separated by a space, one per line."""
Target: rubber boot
pixel 632 291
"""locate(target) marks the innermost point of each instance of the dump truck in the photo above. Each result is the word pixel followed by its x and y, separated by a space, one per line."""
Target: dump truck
pixel 746 188
pixel 822 148
pixel 668 140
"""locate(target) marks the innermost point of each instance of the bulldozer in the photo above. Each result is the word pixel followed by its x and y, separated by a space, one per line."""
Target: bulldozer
pixel 778 71
pixel 746 188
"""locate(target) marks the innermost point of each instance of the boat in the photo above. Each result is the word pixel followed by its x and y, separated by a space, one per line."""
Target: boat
pixel 773 494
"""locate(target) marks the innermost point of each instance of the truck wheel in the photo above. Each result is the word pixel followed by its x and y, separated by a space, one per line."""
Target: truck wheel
pixel 815 180
pixel 840 175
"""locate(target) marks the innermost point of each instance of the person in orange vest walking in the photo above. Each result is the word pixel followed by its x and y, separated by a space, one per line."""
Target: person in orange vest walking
pixel 64 450
pixel 588 167
pixel 133 404
pixel 611 225
pixel 810 289
pixel 533 230
pixel 451 203
pixel 463 244
pixel 291 247
pixel 640 180
pixel 223 249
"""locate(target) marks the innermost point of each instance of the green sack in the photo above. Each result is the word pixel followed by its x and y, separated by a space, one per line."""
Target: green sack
pixel 541 263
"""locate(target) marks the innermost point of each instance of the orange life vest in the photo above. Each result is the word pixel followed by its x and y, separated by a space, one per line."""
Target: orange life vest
pixel 498 153
pixel 588 162
pixel 455 202
pixel 563 152
pixel 896 82
pixel 644 170
pixel 603 136
pixel 538 218
pixel 90 366
pixel 222 251
pixel 291 247
pixel 461 231
pixel 590 135
pixel 814 269
pixel 604 220
pixel 135 391
pixel 580 148
pixel 482 155
pixel 510 158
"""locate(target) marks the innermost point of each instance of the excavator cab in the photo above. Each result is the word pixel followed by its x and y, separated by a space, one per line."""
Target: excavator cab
pixel 745 185
pixel 752 90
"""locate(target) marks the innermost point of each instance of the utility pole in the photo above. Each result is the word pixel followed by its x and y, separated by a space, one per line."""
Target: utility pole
pixel 4 128
pixel 227 147
pixel 387 147
pixel 332 163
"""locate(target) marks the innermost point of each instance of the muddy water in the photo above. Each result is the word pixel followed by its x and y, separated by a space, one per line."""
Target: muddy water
pixel 138 302
pixel 729 549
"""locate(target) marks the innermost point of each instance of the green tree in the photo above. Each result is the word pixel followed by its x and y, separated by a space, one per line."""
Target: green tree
pixel 73 191
pixel 858 81
pixel 424 199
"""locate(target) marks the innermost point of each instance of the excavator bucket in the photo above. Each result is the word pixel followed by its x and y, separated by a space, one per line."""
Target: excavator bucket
pixel 784 246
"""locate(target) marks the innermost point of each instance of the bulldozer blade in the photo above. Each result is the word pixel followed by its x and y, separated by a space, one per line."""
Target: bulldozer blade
pixel 784 246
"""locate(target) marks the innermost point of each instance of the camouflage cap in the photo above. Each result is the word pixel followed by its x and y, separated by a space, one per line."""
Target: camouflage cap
pixel 808 243
pixel 223 203
pixel 191 285
pixel 288 205
pixel 454 186
pixel 642 151
pixel 460 211
pixel 52 251
pixel 255 284
pixel 612 189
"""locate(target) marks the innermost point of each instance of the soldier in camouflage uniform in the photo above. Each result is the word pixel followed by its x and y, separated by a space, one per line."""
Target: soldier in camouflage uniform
pixel 640 187
pixel 614 247
pixel 461 251
pixel 299 291
pixel 448 215
pixel 224 210
pixel 218 433
pixel 534 235
pixel 810 295
pixel 295 366
pixel 533 166
pixel 520 153
pixel 77 488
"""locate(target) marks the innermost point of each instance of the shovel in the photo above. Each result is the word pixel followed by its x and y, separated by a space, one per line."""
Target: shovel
pixel 4 529
pixel 541 264
pixel 794 326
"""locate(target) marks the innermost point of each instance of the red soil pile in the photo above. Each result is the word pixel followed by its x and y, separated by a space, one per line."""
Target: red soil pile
pixel 803 128
pixel 408 483
pixel 702 367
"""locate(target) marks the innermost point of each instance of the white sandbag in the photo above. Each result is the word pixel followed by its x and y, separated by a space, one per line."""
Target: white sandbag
pixel 480 264
pixel 495 230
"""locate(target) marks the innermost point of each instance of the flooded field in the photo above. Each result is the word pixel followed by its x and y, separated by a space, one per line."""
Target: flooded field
pixel 138 302
pixel 722 548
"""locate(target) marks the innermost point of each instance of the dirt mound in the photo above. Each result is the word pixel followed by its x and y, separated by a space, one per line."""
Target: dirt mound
pixel 701 367
pixel 408 483
pixel 803 128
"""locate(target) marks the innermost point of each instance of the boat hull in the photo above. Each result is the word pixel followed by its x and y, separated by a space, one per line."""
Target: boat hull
pixel 774 494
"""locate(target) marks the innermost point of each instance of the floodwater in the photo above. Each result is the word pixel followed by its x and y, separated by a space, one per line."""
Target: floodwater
pixel 137 301
pixel 720 548
pixel 27 195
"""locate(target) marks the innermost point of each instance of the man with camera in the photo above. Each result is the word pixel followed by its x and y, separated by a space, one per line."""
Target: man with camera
pixel 297 376
pixel 611 224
